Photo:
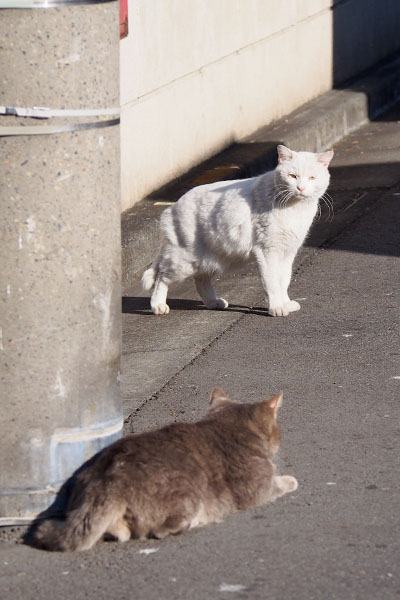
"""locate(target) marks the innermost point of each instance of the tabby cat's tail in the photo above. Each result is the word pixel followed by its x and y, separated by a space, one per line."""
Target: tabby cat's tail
pixel 148 278
pixel 81 528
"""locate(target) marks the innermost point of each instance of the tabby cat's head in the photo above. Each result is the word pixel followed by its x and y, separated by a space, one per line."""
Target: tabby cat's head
pixel 258 416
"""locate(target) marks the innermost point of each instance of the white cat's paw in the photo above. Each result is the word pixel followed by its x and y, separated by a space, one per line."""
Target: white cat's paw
pixel 221 304
pixel 292 306
pixel 278 311
pixel 160 309
pixel 218 304
pixel 285 309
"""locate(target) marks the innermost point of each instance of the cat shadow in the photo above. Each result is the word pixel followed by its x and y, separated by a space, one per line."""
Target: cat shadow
pixel 135 305
pixel 248 310
pixel 57 509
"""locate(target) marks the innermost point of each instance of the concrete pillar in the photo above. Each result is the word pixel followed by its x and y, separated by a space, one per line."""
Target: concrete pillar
pixel 59 247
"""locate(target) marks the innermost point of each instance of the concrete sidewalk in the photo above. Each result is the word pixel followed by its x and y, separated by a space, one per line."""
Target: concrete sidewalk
pixel 338 363
pixel 365 164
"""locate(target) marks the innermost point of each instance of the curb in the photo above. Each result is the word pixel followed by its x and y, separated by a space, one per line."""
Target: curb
pixel 315 126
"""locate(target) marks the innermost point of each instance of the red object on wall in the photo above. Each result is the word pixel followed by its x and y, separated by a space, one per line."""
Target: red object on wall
pixel 123 18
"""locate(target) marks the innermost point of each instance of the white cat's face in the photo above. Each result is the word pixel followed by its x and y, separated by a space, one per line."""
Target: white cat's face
pixel 303 175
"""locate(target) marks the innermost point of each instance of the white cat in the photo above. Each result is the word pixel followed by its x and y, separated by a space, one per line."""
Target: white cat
pixel 221 227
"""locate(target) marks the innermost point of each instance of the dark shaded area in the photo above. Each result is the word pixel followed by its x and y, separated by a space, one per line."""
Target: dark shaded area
pixel 57 509
pixel 364 40
pixel 356 190
pixel 136 305
pixel 141 306
pixel 383 95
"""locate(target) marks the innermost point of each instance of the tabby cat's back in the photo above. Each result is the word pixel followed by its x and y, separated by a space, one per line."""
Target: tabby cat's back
pixel 181 476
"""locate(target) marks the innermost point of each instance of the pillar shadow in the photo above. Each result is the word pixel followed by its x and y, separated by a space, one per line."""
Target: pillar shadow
pixel 57 510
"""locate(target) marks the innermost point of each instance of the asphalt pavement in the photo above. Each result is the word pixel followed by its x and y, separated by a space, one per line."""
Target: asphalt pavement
pixel 337 361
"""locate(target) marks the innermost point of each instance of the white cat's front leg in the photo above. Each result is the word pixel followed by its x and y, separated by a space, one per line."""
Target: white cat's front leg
pixel 285 277
pixel 269 267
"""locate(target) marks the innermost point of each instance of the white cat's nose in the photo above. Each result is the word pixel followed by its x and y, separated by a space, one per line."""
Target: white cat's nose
pixel 300 188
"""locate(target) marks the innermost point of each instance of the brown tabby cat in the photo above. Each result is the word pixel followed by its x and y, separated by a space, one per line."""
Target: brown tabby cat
pixel 181 476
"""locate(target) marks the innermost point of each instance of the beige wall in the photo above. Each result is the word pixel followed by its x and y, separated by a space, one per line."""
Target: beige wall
pixel 199 74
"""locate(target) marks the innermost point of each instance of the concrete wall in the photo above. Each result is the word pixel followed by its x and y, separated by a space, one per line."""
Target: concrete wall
pixel 198 74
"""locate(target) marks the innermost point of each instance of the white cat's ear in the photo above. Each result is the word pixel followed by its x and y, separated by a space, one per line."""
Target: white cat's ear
pixel 284 153
pixel 275 402
pixel 325 157
pixel 218 398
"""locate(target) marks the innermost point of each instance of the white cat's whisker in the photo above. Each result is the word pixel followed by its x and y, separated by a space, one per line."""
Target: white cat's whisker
pixel 329 199
pixel 286 200
pixel 283 201
pixel 329 204
pixel 281 193
pixel 283 196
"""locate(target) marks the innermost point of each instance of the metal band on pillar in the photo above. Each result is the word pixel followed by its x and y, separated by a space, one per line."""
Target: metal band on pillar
pixel 47 113
pixel 48 4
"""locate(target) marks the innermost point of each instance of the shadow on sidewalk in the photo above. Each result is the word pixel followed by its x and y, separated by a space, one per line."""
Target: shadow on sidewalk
pixel 57 510
pixel 355 191
pixel 135 305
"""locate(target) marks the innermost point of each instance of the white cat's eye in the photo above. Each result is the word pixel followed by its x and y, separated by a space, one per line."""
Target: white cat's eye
pixel 293 175
pixel 312 177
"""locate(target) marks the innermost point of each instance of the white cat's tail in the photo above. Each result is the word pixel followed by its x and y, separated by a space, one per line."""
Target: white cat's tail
pixel 82 527
pixel 148 278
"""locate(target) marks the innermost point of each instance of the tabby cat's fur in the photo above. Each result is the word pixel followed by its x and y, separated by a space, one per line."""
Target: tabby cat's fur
pixel 181 476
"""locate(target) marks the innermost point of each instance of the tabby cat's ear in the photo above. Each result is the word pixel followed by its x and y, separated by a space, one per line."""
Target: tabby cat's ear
pixel 275 402
pixel 218 398
pixel 325 157
pixel 284 153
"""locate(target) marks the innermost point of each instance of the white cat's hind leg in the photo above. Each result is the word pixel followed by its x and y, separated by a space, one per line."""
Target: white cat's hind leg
pixel 269 266
pixel 208 295
pixel 158 300
pixel 286 275
pixel 148 278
